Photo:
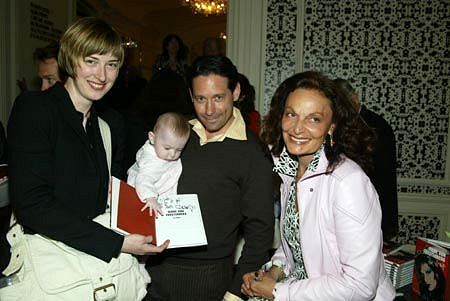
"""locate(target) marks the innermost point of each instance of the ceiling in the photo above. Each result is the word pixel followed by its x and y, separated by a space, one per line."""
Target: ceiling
pixel 150 12
pixel 148 21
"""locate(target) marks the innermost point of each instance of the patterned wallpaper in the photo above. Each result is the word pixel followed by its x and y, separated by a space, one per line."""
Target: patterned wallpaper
pixel 396 54
pixel 412 226
pixel 280 45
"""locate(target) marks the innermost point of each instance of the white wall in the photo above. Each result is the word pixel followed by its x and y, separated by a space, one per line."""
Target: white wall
pixel 25 25
pixel 246 30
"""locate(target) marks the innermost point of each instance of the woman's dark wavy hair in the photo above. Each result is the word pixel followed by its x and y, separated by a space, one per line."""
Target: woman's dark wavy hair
pixel 182 48
pixel 351 135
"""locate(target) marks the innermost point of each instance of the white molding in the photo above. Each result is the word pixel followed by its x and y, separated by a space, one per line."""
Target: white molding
pixel 299 35
pixel 444 182
pixel 246 31
pixel 426 205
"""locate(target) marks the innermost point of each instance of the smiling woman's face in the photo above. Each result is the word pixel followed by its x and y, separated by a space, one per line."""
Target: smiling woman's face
pixel 307 119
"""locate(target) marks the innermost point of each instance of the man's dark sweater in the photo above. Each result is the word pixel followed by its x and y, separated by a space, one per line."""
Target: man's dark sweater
pixel 233 180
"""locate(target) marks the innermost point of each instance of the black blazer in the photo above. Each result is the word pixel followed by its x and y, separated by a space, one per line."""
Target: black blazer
pixel 58 181
pixel 384 177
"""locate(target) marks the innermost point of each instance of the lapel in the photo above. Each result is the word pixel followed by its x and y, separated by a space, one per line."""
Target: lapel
pixel 286 166
pixel 69 115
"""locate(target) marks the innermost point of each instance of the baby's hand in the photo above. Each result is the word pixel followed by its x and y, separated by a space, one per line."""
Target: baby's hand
pixel 153 206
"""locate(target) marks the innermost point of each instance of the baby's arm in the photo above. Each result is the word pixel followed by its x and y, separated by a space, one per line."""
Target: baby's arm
pixel 143 175
pixel 153 206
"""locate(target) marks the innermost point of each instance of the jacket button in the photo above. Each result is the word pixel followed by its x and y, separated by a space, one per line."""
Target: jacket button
pixel 311 190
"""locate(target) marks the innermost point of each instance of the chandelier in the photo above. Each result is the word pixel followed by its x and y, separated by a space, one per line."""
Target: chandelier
pixel 206 7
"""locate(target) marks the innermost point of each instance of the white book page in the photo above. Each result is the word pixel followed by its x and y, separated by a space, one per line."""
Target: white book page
pixel 115 187
pixel 181 223
pixel 438 243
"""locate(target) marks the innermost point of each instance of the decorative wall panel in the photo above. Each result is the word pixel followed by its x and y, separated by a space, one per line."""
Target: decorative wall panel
pixel 396 53
pixel 412 226
pixel 280 45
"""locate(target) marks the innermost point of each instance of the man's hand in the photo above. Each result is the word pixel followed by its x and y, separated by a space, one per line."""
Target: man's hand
pixel 259 283
pixel 141 245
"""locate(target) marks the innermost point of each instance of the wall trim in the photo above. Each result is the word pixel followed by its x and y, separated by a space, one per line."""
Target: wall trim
pixel 299 35
pixel 426 205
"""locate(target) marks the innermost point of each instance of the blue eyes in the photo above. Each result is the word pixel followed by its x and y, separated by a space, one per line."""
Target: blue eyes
pixel 113 65
pixel 92 62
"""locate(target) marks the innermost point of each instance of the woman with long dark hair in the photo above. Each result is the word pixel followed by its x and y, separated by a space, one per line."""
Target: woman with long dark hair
pixel 173 56
pixel 330 223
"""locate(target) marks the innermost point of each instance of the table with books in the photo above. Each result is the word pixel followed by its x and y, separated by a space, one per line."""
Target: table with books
pixel 420 271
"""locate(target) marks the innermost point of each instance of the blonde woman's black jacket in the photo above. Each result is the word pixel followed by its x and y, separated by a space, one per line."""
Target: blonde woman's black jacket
pixel 58 173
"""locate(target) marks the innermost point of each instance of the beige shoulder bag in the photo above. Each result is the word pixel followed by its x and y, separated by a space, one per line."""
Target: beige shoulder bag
pixel 45 269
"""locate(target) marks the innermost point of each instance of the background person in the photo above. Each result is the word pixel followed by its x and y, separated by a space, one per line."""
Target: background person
pixel 330 222
pixel 213 46
pixel 246 104
pixel 59 176
pixel 173 56
pixel 48 70
pixel 225 164
pixel 384 158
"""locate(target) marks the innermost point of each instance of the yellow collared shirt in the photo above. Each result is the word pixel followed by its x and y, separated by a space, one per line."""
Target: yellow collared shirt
pixel 235 131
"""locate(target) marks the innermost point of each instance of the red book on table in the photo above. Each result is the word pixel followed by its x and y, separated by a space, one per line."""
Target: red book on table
pixel 3 170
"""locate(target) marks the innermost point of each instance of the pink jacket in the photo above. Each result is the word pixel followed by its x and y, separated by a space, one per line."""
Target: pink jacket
pixel 340 234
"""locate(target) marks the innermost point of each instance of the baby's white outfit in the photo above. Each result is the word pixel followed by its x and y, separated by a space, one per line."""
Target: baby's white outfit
pixel 152 176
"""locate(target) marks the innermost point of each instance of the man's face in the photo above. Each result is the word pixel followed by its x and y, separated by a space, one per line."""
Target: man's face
pixel 48 72
pixel 213 102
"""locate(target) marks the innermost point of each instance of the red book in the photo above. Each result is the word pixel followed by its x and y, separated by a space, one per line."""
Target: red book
pixel 181 222
pixel 431 279
pixel 3 170
pixel 131 219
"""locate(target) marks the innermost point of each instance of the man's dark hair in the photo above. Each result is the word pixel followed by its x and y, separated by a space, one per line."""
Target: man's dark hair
pixel 50 51
pixel 217 65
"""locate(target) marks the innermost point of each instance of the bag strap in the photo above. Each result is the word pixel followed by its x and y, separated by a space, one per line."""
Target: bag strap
pixel 106 137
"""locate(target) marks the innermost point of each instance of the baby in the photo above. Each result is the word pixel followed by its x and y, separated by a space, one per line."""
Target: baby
pixel 158 164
